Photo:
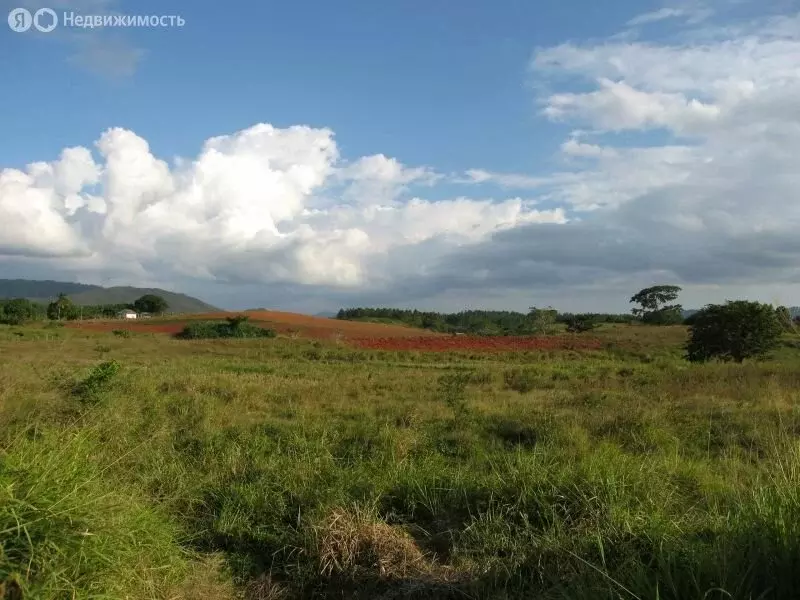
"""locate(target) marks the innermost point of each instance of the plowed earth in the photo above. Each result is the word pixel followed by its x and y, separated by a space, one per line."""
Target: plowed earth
pixel 374 336
pixel 479 344
pixel 283 322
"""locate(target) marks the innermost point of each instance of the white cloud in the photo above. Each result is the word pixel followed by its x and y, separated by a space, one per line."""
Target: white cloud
pixel 574 147
pixel 692 14
pixel 710 200
pixel 253 206
pixel 617 106
pixel 511 180
pixel 657 15
pixel 379 179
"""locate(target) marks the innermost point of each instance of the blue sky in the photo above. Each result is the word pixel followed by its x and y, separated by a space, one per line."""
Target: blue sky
pixel 492 114
pixel 418 80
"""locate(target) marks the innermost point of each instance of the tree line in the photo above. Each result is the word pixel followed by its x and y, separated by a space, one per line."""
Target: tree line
pixel 16 311
pixel 478 322
pixel 734 331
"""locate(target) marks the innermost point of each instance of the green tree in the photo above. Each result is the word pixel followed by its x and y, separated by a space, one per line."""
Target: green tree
pixel 17 311
pixel 543 320
pixel 733 331
pixel 654 308
pixel 785 318
pixel 62 308
pixel 150 303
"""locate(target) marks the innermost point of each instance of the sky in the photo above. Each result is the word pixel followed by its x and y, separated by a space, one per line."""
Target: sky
pixel 314 155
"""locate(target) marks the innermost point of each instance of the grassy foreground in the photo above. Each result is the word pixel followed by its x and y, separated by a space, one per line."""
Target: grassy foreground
pixel 148 467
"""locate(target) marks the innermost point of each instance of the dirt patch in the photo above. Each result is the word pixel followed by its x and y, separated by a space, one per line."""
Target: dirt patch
pixel 370 336
pixel 284 323
pixel 481 344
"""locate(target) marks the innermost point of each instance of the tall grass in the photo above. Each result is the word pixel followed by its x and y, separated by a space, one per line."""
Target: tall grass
pixel 68 530
pixel 318 471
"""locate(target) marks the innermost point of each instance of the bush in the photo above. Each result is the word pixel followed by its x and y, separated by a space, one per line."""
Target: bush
pixel 231 328
pixel 581 324
pixel 237 320
pixel 520 380
pixel 453 390
pixel 734 331
pixel 97 380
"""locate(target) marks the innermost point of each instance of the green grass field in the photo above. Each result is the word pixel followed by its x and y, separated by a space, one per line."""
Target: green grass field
pixel 150 467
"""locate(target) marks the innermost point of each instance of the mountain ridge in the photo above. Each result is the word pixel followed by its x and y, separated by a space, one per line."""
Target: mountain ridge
pixel 82 294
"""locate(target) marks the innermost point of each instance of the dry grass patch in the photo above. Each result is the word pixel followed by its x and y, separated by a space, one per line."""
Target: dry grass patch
pixel 208 580
pixel 265 588
pixel 354 544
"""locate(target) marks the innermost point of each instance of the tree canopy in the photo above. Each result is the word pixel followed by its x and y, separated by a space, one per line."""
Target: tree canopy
pixel 654 309
pixel 476 322
pixel 150 303
pixel 62 308
pixel 734 331
pixel 18 310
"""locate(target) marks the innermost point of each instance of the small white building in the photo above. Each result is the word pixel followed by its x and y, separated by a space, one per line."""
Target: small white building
pixel 127 314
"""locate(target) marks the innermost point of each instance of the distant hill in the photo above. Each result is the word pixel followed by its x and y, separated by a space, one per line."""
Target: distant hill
pixel 83 294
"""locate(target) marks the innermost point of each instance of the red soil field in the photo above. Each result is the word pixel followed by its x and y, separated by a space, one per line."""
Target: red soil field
pixel 374 336
pixel 282 322
pixel 480 344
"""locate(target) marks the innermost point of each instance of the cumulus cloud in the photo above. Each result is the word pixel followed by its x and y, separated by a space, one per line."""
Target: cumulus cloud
pixel 678 164
pixel 711 201
pixel 253 206
pixel 617 106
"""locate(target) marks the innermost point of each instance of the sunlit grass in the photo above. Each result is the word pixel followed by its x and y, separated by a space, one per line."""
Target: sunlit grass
pixel 287 468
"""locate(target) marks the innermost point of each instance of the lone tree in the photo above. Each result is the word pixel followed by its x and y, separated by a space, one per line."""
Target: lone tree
pixel 733 331
pixel 150 303
pixel 785 318
pixel 62 308
pixel 543 320
pixel 655 309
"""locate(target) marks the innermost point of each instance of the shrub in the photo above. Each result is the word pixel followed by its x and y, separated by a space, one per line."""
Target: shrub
pixel 237 320
pixel 453 390
pixel 98 378
pixel 581 324
pixel 231 328
pixel 520 380
pixel 734 331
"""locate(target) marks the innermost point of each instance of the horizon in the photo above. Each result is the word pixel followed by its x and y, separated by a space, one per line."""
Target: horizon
pixel 501 155
pixel 332 311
